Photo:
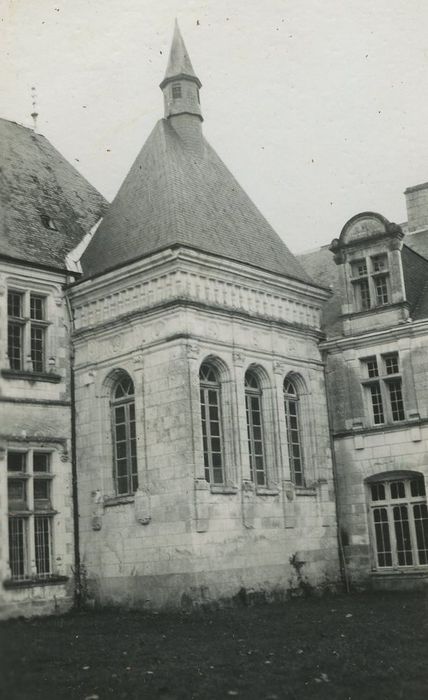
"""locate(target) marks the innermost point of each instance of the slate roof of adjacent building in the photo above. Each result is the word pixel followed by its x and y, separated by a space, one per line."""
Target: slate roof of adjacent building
pixel 176 196
pixel 321 267
pixel 36 183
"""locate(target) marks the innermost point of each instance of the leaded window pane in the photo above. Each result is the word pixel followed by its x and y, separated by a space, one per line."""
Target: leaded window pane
pixel 377 405
pixel 14 304
pixel 211 424
pixel 14 345
pixel 402 533
pixel 401 524
pixel 420 514
pixel 396 398
pixel 37 339
pixel 42 538
pixel 383 542
pixel 253 407
pixel 291 408
pixel 37 307
pixel 124 433
pixel 18 547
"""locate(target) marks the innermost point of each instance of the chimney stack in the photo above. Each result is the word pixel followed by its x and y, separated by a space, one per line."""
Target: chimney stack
pixel 417 207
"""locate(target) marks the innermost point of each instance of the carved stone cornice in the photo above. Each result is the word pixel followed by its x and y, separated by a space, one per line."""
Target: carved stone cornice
pixel 256 301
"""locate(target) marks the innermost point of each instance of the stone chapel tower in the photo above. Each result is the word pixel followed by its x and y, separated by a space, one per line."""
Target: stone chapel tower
pixel 203 446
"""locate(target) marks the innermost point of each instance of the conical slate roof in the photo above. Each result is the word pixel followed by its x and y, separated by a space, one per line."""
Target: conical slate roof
pixel 179 63
pixel 174 196
pixel 38 185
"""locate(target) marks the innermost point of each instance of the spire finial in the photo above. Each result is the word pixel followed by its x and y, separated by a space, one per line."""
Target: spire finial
pixel 180 85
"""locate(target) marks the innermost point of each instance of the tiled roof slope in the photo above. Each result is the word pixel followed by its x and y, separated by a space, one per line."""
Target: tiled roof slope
pixel 176 195
pixel 321 267
pixel 36 180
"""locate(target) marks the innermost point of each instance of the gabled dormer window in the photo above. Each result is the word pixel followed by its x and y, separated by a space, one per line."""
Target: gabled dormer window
pixel 370 281
pixel 176 91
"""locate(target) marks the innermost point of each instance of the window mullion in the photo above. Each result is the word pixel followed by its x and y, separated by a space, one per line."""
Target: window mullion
pixel 392 535
pixel 251 437
pixel 208 433
pixel 128 446
pixel 412 529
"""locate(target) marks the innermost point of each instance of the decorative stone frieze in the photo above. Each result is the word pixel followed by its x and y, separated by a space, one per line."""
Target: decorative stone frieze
pixel 191 286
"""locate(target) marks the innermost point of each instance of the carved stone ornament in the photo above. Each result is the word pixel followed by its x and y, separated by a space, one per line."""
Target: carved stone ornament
pixel 138 358
pixel 238 359
pixel 116 343
pixel 192 350
pixel 279 367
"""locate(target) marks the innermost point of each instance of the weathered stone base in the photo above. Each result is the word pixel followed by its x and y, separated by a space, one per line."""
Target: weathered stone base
pixel 399 582
pixel 36 601
pixel 213 589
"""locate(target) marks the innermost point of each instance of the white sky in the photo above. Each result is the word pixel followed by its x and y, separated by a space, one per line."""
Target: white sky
pixel 318 107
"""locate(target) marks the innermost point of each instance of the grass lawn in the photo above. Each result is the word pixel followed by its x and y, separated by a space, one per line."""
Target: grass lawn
pixel 358 647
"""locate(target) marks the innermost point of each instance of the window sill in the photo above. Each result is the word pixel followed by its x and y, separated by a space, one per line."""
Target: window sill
pixel 265 491
pixel 305 491
pixel 31 376
pixel 33 582
pixel 110 501
pixel 421 571
pixel 219 488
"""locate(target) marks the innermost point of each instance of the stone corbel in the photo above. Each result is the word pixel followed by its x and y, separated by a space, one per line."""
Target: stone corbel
pixel 138 359
pixel 97 510
pixel 279 367
pixel 202 496
pixel 238 359
pixel 248 503
pixel 192 350
pixel 289 501
pixel 142 506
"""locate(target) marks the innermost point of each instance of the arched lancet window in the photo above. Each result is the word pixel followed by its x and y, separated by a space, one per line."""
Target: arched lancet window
pixel 253 405
pixel 209 387
pixel 399 520
pixel 124 439
pixel 294 436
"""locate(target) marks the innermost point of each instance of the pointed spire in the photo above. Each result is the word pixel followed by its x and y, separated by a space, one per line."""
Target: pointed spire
pixel 180 85
pixel 179 63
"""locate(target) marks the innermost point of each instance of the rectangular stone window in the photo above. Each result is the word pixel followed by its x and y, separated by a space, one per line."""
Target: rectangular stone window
pixel 399 522
pixel 27 327
pixel 370 281
pixel 30 514
pixel 382 385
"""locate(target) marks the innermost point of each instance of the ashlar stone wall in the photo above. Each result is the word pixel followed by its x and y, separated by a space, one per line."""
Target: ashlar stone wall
pixel 180 540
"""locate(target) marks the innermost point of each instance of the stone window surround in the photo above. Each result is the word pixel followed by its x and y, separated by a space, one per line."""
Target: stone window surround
pixel 369 277
pixel 53 300
pixel 382 478
pixel 57 522
pixel 233 414
pixel 382 380
pixel 104 384
pixel 274 423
